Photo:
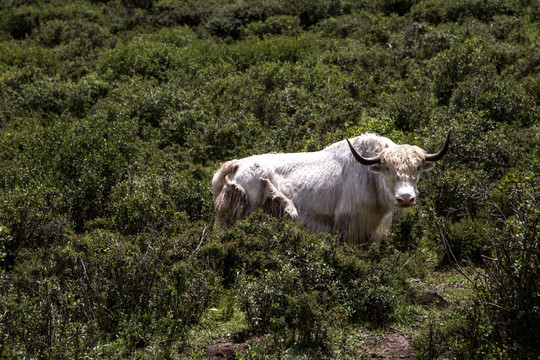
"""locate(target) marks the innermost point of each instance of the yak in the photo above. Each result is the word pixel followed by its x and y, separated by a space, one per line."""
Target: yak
pixel 350 188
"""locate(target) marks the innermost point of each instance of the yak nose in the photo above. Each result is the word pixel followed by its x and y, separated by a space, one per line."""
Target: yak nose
pixel 405 200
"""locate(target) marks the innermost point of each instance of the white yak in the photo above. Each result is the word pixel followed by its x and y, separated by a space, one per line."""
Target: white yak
pixel 335 190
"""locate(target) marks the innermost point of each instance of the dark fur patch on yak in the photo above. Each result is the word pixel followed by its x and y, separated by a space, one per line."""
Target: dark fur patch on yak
pixel 232 205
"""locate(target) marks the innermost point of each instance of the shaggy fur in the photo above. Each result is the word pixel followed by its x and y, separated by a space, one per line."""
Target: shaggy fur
pixel 230 200
pixel 327 191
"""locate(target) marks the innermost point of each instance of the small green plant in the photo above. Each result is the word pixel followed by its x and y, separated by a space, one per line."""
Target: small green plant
pixel 372 302
pixel 290 305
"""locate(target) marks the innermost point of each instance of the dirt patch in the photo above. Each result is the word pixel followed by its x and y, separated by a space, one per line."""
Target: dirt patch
pixel 394 346
pixel 387 347
pixel 222 350
pixel 431 298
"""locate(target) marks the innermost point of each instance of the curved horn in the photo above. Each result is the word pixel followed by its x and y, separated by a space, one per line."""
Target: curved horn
pixel 362 160
pixel 438 156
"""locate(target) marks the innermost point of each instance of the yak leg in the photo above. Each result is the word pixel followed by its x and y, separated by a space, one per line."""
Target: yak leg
pixel 231 205
pixel 383 228
pixel 274 202
pixel 370 231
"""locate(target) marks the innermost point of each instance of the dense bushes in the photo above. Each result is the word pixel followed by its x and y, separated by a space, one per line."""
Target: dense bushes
pixel 115 114
pixel 297 286
pixel 509 284
pixel 103 288
pixel 436 11
pixel 504 313
pixel 159 201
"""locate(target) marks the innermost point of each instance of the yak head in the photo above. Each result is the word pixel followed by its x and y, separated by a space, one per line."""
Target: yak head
pixel 400 167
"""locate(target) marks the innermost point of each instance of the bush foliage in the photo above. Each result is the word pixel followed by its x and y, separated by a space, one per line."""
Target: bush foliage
pixel 114 115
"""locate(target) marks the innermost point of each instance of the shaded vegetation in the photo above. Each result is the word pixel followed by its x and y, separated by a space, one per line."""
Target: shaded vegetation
pixel 114 115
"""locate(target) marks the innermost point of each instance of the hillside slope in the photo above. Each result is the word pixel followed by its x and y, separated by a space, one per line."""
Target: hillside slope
pixel 115 114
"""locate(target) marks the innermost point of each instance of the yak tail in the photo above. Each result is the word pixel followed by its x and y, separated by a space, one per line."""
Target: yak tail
pixel 220 177
pixel 230 199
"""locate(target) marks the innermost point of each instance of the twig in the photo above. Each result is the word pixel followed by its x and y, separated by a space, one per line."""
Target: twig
pixel 3 316
pixel 409 259
pixel 200 243
pixel 84 268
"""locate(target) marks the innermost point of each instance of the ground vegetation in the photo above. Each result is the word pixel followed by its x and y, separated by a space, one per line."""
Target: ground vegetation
pixel 114 114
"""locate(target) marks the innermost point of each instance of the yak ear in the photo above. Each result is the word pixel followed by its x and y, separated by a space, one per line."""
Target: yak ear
pixel 377 168
pixel 428 165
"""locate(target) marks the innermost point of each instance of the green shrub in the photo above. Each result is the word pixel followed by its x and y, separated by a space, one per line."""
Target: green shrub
pixel 55 96
pixel 102 289
pixel 501 99
pixel 296 286
pixel 467 240
pixel 371 302
pixel 477 144
pixel 436 11
pixel 31 216
pixel 159 201
pixel 294 298
pixel 46 96
pixel 274 25
pixel 406 231
pixel 311 12
pixel 455 64
pixel 141 56
pixel 22 21
pixel 191 12
pixel 179 36
pixel 502 317
pixel 409 108
pixel 276 49
pixel 89 170
pixel 142 204
pixel 251 246
pixel 147 102
pixel 140 4
pixel 223 137
pixel 507 27
pixel 400 7
pixel 46 325
pixel 78 163
pixel 421 41
pixel 229 19
pixel 344 26
pixel 73 38
pixel 453 194
pixel 429 11
pixel 359 60
pixel 481 10
pixel 364 28
pixel 508 286
pixel 460 333
pixel 280 302
pixel 28 55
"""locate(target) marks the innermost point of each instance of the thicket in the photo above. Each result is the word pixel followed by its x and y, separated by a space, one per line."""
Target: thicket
pixel 114 115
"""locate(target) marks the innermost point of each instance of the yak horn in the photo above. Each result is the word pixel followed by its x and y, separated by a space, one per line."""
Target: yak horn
pixel 438 156
pixel 362 160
